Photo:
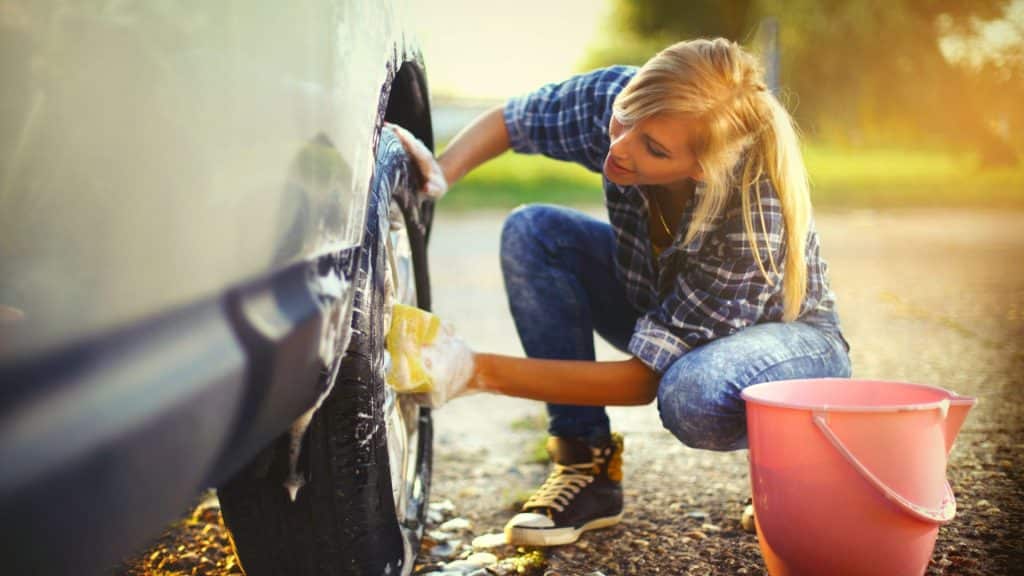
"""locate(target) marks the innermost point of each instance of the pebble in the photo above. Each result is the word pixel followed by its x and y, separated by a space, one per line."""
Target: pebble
pixel 505 567
pixel 491 540
pixel 443 550
pixel 443 506
pixel 697 515
pixel 440 535
pixel 710 527
pixel 463 566
pixel 457 525
pixel 696 535
pixel 747 521
pixel 483 558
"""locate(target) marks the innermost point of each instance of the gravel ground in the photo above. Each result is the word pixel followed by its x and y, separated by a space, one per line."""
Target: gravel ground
pixel 924 296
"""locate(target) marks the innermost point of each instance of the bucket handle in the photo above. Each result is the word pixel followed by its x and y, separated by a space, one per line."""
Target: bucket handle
pixel 941 514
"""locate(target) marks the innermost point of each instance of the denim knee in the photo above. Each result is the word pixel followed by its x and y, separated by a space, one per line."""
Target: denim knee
pixel 519 237
pixel 700 408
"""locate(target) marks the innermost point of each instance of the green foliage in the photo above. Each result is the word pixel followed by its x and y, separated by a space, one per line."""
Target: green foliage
pixel 734 19
pixel 841 177
pixel 514 179
pixel 533 423
pixel 863 71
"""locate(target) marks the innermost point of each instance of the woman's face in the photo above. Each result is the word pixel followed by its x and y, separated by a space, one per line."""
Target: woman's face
pixel 654 151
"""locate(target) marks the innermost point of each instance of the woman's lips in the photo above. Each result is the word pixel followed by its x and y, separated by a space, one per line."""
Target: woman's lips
pixel 610 165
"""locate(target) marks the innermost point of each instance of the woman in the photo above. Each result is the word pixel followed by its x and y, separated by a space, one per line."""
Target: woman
pixel 708 273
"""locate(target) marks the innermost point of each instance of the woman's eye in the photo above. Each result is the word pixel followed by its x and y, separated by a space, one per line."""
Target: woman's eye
pixel 655 152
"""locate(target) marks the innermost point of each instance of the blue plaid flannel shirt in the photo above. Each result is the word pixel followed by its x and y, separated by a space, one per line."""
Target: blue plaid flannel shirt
pixel 692 293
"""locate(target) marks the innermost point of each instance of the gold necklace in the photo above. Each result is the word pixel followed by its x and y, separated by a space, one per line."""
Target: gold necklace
pixel 661 217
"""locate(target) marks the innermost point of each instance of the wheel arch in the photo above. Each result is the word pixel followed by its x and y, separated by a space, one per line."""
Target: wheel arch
pixel 408 100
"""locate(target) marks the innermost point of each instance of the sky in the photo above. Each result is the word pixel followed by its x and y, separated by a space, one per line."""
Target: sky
pixel 493 50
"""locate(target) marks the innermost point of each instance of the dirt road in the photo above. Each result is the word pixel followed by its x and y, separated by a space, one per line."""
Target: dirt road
pixel 931 297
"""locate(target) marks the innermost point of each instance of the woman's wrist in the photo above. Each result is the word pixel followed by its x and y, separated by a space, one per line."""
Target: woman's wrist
pixel 450 168
pixel 478 382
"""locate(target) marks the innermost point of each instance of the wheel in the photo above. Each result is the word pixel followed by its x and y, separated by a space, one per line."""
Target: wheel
pixel 366 454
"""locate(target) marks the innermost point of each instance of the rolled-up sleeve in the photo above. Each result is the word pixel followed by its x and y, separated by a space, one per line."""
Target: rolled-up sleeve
pixel 721 290
pixel 567 120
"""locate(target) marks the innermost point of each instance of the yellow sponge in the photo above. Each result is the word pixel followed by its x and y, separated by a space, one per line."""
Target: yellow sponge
pixel 411 329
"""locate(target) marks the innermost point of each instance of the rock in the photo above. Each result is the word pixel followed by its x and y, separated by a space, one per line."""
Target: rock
pixel 642 543
pixel 710 527
pixel 440 535
pixel 443 550
pixel 697 515
pixel 505 567
pixel 489 540
pixel 747 521
pixel 463 566
pixel 457 525
pixel 696 535
pixel 444 507
pixel 483 558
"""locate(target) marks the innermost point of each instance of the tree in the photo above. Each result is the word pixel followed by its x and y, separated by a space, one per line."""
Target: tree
pixel 866 70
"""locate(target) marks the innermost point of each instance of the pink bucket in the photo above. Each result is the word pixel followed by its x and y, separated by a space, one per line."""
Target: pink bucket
pixel 849 476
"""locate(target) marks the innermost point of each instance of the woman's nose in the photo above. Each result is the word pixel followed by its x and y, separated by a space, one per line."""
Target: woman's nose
pixel 619 148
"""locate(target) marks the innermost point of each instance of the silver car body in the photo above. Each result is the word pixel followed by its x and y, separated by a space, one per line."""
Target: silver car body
pixel 147 149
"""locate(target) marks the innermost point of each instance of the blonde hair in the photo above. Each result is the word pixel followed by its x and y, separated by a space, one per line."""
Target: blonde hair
pixel 739 121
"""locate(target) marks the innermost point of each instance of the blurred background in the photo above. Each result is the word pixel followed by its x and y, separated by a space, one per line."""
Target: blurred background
pixel 902 103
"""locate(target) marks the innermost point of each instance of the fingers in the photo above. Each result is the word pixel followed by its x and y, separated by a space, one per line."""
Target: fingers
pixel 450 363
pixel 434 183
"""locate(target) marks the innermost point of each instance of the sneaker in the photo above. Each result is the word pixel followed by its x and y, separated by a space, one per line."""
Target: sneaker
pixel 583 492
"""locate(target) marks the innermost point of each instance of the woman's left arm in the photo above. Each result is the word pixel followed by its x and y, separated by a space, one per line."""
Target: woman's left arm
pixel 616 383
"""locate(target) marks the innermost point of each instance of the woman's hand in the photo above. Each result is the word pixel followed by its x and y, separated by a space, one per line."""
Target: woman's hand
pixel 451 365
pixel 434 183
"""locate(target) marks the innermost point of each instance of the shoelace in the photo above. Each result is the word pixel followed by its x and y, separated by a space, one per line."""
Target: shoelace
pixel 563 484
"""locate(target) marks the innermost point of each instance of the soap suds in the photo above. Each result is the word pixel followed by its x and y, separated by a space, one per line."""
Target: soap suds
pixel 335 299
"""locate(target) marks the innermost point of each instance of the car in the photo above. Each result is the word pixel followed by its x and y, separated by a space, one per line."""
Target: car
pixel 204 225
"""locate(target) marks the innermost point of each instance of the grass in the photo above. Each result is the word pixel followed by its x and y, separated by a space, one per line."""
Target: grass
pixel 537 422
pixel 901 178
pixel 514 179
pixel 841 178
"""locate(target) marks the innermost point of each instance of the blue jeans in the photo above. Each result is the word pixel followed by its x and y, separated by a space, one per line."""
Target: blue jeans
pixel 560 278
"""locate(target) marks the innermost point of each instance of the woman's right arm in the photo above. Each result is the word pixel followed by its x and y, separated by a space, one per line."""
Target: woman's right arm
pixel 483 139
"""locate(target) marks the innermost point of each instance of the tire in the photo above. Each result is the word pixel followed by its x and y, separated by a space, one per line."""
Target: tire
pixel 344 520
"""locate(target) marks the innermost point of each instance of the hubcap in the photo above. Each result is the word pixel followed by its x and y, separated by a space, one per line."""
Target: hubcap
pixel 401 415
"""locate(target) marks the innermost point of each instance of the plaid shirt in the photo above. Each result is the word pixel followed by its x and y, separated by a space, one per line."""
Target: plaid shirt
pixel 691 293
